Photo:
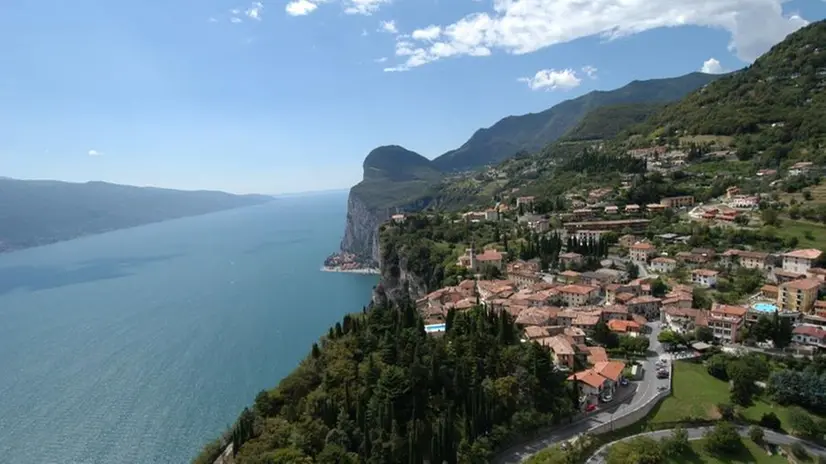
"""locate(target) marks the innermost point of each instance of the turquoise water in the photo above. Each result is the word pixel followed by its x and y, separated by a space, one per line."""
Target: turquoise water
pixel 139 345
pixel 764 307
pixel 435 328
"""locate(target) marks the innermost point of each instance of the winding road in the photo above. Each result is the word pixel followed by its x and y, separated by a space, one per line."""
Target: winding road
pixel 643 391
pixel 696 433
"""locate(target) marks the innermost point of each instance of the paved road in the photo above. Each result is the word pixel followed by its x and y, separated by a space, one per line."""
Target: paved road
pixel 643 391
pixel 697 433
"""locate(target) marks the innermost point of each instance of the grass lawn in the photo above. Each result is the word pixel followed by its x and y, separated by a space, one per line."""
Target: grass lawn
pixel 696 395
pixel 792 228
pixel 751 453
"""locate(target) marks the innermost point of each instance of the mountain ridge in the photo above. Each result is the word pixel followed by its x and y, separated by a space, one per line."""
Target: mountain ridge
pixel 39 212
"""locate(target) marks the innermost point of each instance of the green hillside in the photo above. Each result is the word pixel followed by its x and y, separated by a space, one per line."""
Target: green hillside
pixel 532 132
pixel 609 121
pixel 774 108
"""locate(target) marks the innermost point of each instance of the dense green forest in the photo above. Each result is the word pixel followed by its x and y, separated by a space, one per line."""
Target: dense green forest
pixel 378 389
pixel 610 121
pixel 773 107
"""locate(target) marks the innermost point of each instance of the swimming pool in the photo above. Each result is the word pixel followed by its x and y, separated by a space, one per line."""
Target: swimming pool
pixel 764 307
pixel 434 328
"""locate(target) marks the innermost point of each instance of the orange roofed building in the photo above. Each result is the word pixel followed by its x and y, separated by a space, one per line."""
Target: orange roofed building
pixel 600 381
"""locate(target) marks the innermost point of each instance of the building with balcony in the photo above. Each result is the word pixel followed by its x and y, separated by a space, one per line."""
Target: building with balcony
pixel 798 295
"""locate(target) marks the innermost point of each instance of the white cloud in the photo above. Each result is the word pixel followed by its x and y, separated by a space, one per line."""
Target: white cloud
pixel 388 26
pixel 255 10
pixel 551 79
pixel 363 7
pixel 94 153
pixel 525 26
pixel 430 33
pixel 364 33
pixel 712 66
pixel 590 71
pixel 235 20
pixel 380 60
pixel 300 7
pixel 212 20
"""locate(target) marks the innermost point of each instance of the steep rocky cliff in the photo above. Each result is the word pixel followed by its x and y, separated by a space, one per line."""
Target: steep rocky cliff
pixel 395 180
pixel 361 229
pixel 399 280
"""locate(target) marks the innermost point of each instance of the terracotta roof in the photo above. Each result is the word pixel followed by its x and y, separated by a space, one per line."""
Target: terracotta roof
pixel 577 289
pixel 615 309
pixel 609 369
pixel 788 274
pixel 597 354
pixel 809 253
pixel 644 299
pixel 817 271
pixel 489 255
pixel 753 254
pixel 588 377
pixel 623 326
pixel 664 260
pixel 810 331
pixel 729 310
pixel 573 332
pixel 769 288
pixel 677 298
pixel 730 253
pixel 705 272
pixel 624 297
pixel 534 316
pixel 802 284
pixel 569 273
pixel 586 320
pixel 559 344
pixel 639 319
pixel 535 331
pixel 642 246
pixel 612 287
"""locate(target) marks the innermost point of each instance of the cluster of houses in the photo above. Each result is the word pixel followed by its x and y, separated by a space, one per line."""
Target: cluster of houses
pixel 559 311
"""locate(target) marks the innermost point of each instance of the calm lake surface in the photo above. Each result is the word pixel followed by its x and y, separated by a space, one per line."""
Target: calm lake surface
pixel 140 345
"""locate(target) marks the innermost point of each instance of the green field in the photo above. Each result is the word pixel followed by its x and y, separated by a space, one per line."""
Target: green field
pixel 818 195
pixel 751 453
pixel 791 228
pixel 696 395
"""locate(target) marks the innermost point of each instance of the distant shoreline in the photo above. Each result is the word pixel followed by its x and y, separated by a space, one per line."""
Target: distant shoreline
pixel 362 271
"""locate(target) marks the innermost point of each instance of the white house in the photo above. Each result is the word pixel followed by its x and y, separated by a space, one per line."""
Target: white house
pixel 800 261
pixel 704 277
pixel 662 265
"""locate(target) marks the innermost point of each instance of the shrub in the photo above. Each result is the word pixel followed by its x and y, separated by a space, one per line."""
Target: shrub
pixel 723 439
pixel 756 434
pixel 770 421
pixel 726 411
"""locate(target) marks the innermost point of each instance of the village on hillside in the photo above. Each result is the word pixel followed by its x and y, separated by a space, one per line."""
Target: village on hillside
pixel 607 273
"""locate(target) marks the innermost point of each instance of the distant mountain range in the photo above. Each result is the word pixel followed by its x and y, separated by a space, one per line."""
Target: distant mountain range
pixel 398 179
pixel 37 212
pixel 531 132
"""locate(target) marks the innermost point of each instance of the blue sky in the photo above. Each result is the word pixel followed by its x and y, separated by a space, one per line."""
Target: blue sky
pixel 285 96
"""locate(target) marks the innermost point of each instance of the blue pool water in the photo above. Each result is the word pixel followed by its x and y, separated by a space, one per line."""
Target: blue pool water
pixel 434 328
pixel 764 307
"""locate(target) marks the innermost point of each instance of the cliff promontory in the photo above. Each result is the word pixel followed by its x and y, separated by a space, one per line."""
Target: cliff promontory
pixel 395 180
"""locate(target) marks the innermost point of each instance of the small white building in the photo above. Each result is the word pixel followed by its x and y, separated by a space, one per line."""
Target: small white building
pixel 663 265
pixel 704 277
pixel 800 261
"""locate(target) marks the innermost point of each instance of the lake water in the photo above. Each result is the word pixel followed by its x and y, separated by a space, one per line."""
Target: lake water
pixel 140 345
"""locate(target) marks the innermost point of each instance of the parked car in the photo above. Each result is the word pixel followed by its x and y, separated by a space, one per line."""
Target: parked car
pixel 624 382
pixel 590 407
